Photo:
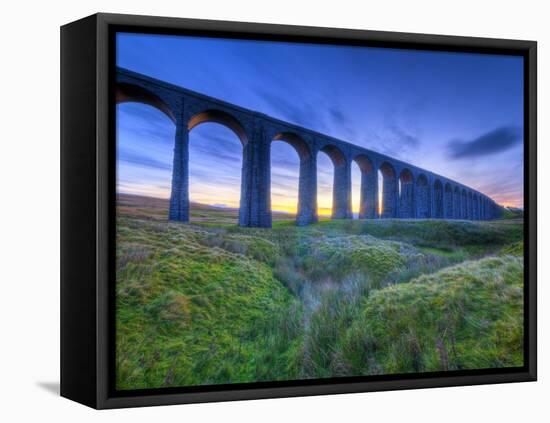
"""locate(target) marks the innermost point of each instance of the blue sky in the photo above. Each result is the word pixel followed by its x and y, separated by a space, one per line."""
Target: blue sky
pixel 456 114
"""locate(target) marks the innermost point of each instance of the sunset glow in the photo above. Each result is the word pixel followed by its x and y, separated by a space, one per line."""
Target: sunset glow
pixel 446 112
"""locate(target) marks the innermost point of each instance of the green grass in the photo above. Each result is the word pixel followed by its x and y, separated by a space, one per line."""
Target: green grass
pixel 190 313
pixel 208 303
pixel 512 213
pixel 469 316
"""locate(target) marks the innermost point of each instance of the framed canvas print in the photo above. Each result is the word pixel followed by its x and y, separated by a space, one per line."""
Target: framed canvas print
pixel 255 211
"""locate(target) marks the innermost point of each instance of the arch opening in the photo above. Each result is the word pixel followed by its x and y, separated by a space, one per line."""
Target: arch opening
pixel 335 155
pixel 292 179
pixel 356 181
pixel 464 202
pixel 448 199
pixel 325 182
pixel 423 197
pixel 389 191
pixel 220 117
pixel 457 203
pixel 439 205
pixel 215 167
pixel 365 195
pixel 144 157
pixel 406 194
pixel 126 93
pixel 482 208
pixel 299 145
pixel 341 187
pixel 470 206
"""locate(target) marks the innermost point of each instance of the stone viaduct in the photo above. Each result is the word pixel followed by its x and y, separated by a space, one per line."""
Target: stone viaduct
pixel 408 191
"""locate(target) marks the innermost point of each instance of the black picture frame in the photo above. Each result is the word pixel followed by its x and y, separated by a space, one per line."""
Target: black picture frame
pixel 87 199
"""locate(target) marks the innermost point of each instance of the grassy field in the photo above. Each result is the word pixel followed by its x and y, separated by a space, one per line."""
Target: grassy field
pixel 209 302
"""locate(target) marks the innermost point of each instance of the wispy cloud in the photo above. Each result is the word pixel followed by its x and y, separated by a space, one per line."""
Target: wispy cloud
pixel 144 161
pixel 403 137
pixel 338 116
pixel 495 141
pixel 226 147
pixel 394 140
pixel 298 112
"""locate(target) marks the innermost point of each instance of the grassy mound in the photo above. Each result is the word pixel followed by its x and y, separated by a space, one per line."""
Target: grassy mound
pixel 469 316
pixel 441 234
pixel 189 313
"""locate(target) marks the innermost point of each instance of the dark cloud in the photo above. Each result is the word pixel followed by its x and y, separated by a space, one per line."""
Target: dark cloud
pixel 337 115
pixel 342 123
pixel 495 141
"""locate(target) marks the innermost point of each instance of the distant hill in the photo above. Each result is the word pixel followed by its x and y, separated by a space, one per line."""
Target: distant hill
pixel 157 208
pixel 512 213
pixel 132 200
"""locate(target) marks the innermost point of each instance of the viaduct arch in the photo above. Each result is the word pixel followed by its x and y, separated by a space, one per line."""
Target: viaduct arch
pixel 408 192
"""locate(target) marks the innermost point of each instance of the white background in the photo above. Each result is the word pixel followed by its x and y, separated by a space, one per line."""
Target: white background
pixel 29 170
